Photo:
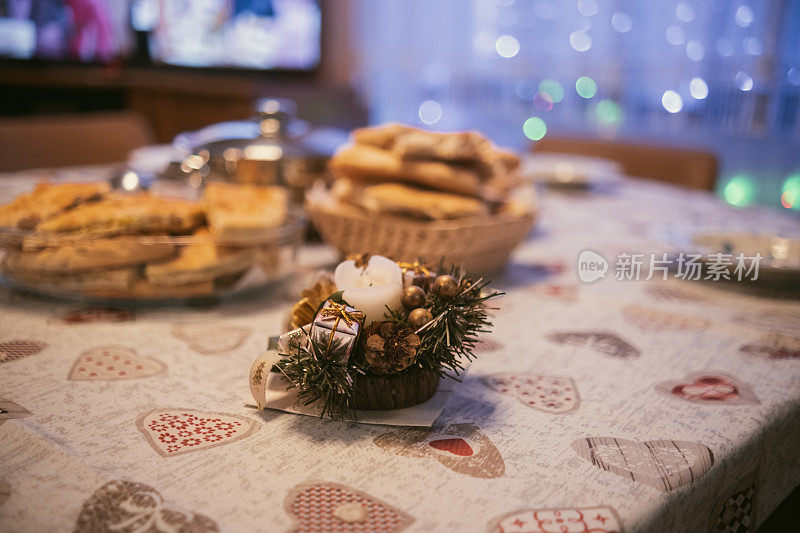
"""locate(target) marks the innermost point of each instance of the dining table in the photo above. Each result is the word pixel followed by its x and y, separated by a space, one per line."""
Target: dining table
pixel 620 404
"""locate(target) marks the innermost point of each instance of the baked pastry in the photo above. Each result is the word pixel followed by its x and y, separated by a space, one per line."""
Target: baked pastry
pixel 47 200
pixel 381 137
pixel 128 214
pixel 84 283
pixel 397 199
pixel 365 163
pixel 142 289
pixel 91 255
pixel 440 197
pixel 453 147
pixel 242 212
pixel 200 261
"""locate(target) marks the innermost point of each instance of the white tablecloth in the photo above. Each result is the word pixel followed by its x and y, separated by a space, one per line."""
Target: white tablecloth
pixel 636 405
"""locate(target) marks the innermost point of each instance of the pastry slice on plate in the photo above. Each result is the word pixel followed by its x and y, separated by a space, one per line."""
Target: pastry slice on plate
pixel 242 212
pixel 200 261
pixel 128 214
pixel 89 254
pixel 116 280
pixel 142 289
pixel 47 200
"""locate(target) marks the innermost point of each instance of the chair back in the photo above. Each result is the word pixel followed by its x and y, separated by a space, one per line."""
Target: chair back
pixel 70 140
pixel 695 169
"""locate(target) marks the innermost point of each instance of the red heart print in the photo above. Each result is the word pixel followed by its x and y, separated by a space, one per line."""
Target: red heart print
pixel 463 448
pixel 456 446
pixel 19 349
pixel 108 363
pixel 331 507
pixel 175 431
pixel 584 519
pixel 774 346
pixel 709 387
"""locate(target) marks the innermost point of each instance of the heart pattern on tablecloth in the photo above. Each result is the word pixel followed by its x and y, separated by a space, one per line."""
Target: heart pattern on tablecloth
pixel 463 448
pixel 655 320
pixel 9 410
pixel 208 338
pixel 88 315
pixel 321 506
pixel 599 341
pixel 551 394
pixel 662 464
pixel 709 388
pixel 487 344
pixel 780 320
pixel 671 293
pixel 112 362
pixel 774 346
pixel 600 519
pixel 735 510
pixel 564 293
pixel 176 431
pixel 129 507
pixel 19 349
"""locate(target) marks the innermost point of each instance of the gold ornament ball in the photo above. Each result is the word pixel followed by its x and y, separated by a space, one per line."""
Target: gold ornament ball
pixel 413 297
pixel 446 286
pixel 419 317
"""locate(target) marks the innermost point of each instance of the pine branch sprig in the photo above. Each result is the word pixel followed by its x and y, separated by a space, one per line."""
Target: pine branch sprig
pixel 449 339
pixel 320 381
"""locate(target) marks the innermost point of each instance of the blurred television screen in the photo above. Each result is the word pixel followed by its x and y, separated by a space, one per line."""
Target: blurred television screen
pixel 254 34
pixel 65 30
pixel 249 34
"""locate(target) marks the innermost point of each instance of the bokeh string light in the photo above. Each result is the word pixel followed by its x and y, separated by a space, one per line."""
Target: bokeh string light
pixel 534 128
pixel 739 191
pixel 790 197
pixel 706 72
pixel 585 87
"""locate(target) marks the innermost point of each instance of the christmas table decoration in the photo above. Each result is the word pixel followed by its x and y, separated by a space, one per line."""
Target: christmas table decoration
pixel 374 345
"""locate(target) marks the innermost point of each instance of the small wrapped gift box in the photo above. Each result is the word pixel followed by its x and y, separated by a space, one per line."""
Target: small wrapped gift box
pixel 293 340
pixel 415 273
pixel 335 331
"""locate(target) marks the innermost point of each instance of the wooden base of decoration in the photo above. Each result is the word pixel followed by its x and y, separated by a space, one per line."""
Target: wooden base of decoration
pixel 395 391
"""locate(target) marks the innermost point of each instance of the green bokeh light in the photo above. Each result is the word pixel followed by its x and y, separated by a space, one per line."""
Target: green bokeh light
pixel 534 128
pixel 609 112
pixel 792 187
pixel 739 191
pixel 553 88
pixel 586 87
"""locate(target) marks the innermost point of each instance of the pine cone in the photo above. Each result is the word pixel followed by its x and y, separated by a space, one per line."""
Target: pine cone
pixel 310 299
pixel 390 347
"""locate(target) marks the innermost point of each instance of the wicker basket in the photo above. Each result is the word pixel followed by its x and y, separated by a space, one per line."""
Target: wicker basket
pixel 479 244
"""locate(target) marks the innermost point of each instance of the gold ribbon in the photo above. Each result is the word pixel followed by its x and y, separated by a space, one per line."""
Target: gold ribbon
pixel 415 265
pixel 340 312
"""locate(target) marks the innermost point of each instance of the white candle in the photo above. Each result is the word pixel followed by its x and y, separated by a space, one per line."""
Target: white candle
pixel 372 288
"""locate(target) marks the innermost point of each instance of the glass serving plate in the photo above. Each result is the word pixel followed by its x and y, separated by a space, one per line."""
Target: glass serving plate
pixel 779 262
pixel 149 268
